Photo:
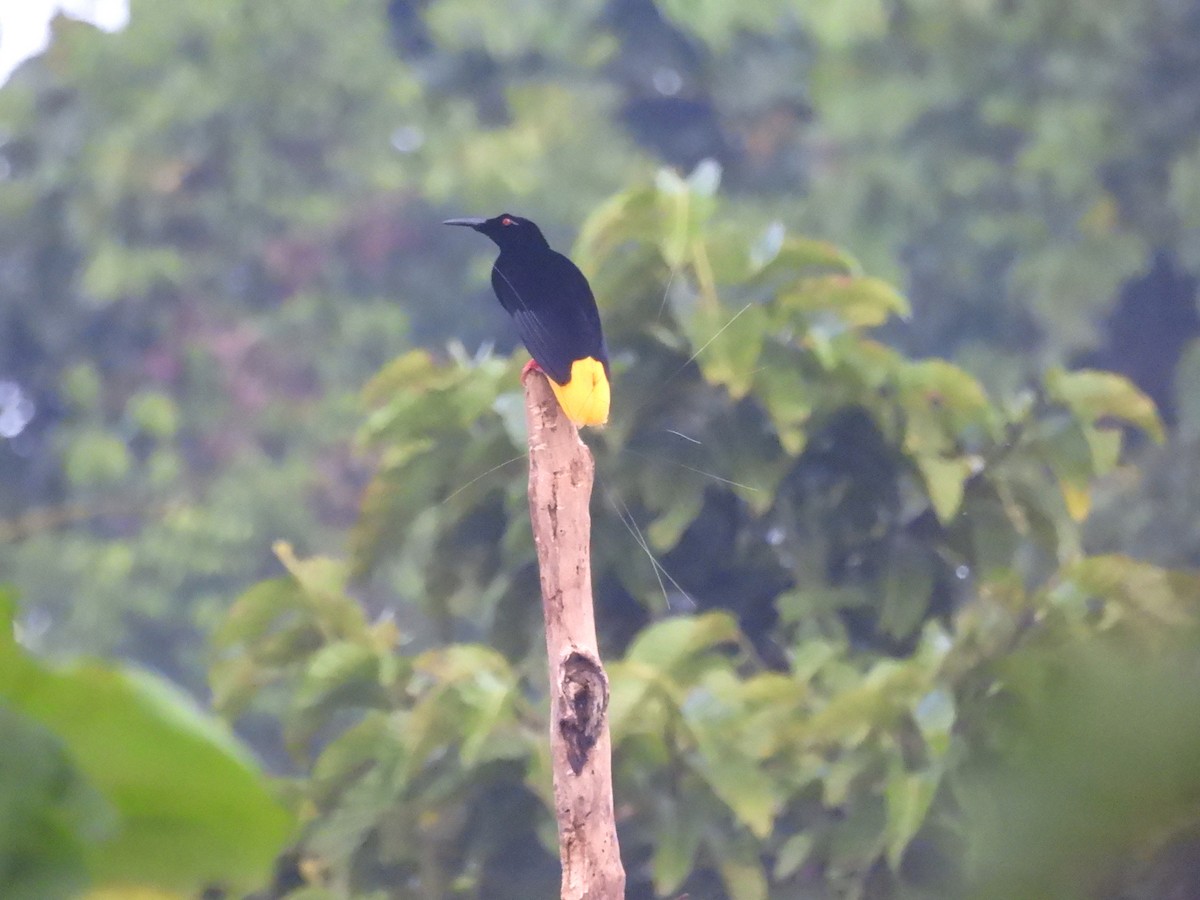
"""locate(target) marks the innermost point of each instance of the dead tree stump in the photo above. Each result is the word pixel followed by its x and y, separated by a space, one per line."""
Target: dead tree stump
pixel 560 488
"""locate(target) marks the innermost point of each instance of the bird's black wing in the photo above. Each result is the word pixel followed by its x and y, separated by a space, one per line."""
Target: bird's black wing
pixel 554 310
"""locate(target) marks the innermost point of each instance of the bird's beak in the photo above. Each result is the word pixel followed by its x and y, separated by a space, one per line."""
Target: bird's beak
pixel 473 222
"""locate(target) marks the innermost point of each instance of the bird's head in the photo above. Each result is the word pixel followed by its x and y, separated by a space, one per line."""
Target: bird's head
pixel 508 231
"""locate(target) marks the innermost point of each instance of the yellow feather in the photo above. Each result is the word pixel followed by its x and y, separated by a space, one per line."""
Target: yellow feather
pixel 585 397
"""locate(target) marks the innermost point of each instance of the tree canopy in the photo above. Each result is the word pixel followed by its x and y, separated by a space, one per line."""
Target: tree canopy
pixel 895 545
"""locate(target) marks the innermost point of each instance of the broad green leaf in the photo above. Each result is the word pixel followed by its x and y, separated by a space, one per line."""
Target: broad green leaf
pixel 1066 449
pixel 874 702
pixel 727 345
pixel 629 217
pixel 909 795
pixel 667 645
pixel 1105 444
pixel 235 681
pixel 794 853
pixel 1098 742
pixel 318 577
pixel 1092 395
pixel 740 867
pixel 323 581
pixel 684 208
pixel 675 851
pixel 947 394
pixel 664 532
pixel 174 777
pixel 798 259
pixel 713 712
pixel 345 757
pixel 49 814
pixel 945 479
pixel 858 302
pixel 341 671
pixel 810 657
pixel 789 397
pixel 642 697
pixel 1167 597
pixel 259 610
pixel 907 586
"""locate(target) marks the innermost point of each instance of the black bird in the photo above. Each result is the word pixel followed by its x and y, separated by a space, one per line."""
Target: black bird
pixel 554 309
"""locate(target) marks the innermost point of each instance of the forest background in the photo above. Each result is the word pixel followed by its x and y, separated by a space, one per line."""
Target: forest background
pixel 898 518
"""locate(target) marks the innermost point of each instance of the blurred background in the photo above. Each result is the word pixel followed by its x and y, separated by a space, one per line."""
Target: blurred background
pixel 899 514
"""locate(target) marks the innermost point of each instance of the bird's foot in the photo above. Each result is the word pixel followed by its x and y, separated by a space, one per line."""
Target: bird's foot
pixel 530 366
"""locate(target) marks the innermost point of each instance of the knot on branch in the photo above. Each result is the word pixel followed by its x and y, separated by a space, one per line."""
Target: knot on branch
pixel 583 702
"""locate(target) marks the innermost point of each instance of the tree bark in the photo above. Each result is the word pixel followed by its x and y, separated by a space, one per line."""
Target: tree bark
pixel 560 487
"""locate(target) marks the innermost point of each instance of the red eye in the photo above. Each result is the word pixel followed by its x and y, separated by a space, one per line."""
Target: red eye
pixel 507 221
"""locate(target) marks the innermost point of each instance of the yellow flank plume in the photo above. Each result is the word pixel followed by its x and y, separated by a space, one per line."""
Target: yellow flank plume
pixel 586 396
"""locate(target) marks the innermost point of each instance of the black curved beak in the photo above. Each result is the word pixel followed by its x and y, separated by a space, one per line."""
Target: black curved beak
pixel 473 222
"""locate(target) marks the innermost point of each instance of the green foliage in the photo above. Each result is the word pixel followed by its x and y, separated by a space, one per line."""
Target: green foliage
pixel 48 814
pixel 841 761
pixel 113 777
pixel 390 786
pixel 877 500
pixel 1065 769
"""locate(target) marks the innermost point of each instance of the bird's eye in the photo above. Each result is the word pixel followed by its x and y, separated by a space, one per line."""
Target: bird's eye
pixel 507 221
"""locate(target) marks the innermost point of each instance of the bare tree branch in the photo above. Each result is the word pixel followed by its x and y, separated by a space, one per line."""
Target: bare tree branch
pixel 560 487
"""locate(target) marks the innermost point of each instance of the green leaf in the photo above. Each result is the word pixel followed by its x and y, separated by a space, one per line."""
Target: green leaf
pixel 628 217
pixel 793 854
pixel 49 814
pixel 323 581
pixel 945 479
pixel 676 848
pixel 1092 395
pixel 790 398
pixel 1098 742
pixel 908 584
pixel 340 672
pixel 684 208
pixel 491 700
pixel 664 532
pixel 874 701
pixel 740 867
pixel 798 259
pixel 1163 596
pixel 350 753
pixel 858 302
pixel 908 795
pixel 669 644
pixel 737 780
pixel 726 345
pixel 257 611
pixel 174 777
pixel 941 401
pixel 715 714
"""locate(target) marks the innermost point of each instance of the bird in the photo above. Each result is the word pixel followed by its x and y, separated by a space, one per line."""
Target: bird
pixel 555 312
